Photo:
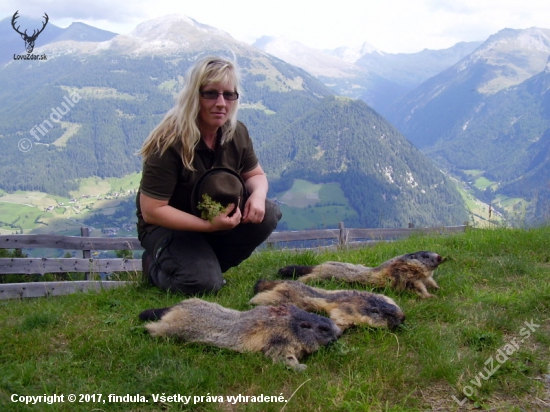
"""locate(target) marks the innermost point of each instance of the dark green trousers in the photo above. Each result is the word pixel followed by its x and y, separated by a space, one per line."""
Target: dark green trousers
pixel 192 262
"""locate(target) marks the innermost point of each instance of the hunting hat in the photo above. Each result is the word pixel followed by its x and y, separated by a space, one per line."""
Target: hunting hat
pixel 222 185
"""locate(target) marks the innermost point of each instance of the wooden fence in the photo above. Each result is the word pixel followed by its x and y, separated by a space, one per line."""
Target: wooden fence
pixel 340 237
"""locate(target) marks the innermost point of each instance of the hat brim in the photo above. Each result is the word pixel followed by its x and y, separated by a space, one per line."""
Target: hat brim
pixel 197 192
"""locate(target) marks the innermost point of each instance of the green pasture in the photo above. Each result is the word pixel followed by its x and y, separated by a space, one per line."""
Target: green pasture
pixel 314 206
pixel 480 344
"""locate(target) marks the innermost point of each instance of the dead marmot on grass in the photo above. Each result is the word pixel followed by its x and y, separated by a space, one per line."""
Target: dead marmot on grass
pixel 412 271
pixel 346 308
pixel 284 333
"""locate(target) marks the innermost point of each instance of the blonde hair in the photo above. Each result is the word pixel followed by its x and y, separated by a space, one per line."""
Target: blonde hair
pixel 180 123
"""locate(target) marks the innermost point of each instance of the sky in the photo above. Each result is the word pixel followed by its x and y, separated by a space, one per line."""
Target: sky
pixel 391 26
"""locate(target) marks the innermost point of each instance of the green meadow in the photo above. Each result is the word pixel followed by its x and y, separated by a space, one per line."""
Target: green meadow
pixel 314 206
pixel 480 344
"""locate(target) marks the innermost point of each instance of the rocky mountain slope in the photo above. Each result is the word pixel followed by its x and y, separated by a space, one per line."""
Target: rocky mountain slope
pixel 489 113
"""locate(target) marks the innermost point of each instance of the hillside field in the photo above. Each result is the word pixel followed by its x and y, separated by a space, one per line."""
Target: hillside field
pixel 313 206
pixel 480 344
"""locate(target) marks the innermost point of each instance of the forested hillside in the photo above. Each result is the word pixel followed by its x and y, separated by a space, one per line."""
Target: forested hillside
pixel 387 180
pixel 509 139
pixel 119 102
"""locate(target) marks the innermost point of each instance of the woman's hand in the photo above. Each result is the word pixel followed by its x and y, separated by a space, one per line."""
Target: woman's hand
pixel 254 208
pixel 225 222
pixel 159 212
pixel 256 184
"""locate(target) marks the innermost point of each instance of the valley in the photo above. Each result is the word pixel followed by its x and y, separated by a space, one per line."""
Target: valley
pixel 485 214
pixel 32 212
pixel 106 206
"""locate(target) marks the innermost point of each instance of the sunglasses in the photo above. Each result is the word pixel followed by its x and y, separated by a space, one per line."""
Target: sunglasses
pixel 213 95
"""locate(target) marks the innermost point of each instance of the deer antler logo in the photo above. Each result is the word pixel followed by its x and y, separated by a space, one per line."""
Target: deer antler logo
pixel 29 40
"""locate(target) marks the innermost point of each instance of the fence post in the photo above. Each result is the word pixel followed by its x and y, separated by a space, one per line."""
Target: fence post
pixel 86 254
pixel 342 236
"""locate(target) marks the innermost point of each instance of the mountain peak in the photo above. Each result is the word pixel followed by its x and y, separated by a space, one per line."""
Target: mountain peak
pixel 352 54
pixel 173 24
pixel 161 36
pixel 311 60
pixel 511 55
pixel 166 35
pixel 82 32
pixel 532 38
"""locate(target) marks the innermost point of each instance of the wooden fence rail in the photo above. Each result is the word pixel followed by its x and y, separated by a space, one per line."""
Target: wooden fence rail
pixel 69 242
pixel 87 264
pixel 344 236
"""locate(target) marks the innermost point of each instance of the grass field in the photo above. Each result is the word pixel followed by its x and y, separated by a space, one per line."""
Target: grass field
pixel 305 205
pixel 70 130
pixel 481 344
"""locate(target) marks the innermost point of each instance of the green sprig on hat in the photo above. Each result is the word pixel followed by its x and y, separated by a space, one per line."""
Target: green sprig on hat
pixel 209 208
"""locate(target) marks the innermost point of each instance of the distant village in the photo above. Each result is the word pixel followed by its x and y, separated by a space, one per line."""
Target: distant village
pixel 86 203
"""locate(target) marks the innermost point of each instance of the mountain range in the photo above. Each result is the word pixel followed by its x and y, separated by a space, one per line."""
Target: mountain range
pixel 444 102
pixel 477 109
pixel 488 117
pixel 364 72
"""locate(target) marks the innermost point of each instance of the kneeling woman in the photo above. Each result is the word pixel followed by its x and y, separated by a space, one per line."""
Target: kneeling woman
pixel 200 148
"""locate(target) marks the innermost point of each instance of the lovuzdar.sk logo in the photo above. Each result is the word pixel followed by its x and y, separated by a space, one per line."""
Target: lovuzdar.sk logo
pixel 29 40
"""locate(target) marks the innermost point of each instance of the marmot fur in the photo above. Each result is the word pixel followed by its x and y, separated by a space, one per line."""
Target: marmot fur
pixel 345 307
pixel 283 333
pixel 412 271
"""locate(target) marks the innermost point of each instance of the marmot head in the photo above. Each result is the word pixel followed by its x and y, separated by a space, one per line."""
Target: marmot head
pixel 381 311
pixel 430 259
pixel 312 329
pixel 363 308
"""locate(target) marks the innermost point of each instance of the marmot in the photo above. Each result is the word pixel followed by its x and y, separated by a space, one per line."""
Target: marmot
pixel 411 271
pixel 345 307
pixel 283 333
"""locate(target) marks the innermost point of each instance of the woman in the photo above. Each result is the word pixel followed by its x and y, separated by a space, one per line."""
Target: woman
pixel 200 135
